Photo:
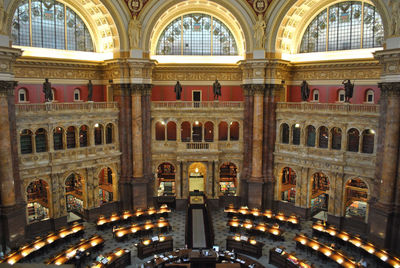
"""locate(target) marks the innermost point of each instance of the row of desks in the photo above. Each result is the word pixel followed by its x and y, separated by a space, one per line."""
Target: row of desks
pixel 210 257
pixel 41 243
pixel 138 214
pixel 148 227
pixel 117 258
pixel 303 241
pixel 255 213
pixel 245 245
pixel 75 252
pixel 255 228
pixel 280 258
pixel 157 244
pixel 357 242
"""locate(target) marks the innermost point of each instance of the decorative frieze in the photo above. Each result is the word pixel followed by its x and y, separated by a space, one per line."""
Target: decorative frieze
pixel 389 89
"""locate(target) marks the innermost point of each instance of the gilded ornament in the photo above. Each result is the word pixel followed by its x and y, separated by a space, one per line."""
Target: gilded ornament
pixel 260 6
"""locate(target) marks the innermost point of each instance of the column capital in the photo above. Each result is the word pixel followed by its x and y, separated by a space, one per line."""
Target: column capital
pixel 390 89
pixel 141 89
pixel 121 89
pixel 7 88
pixel 253 89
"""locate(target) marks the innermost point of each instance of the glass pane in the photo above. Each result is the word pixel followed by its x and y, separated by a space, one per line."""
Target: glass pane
pixel 60 26
pixel 48 24
pixel 20 25
pixel 223 41
pixel 37 23
pixel 71 25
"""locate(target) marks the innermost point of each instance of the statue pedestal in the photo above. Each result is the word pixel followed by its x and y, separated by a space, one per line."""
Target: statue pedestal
pixel 4 41
pixel 259 54
pixel 393 42
pixel 136 54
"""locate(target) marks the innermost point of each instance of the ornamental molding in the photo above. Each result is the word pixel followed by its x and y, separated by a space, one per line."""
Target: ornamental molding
pixel 192 73
pixel 390 89
pixel 7 88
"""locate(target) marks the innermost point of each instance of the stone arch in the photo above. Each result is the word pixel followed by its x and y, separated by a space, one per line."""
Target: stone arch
pixel 99 18
pixel 238 16
pixel 369 185
pixel 289 19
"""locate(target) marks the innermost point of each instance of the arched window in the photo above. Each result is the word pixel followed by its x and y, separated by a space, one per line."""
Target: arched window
pixel 160 131
pixel 319 193
pixel 77 94
pixel 228 179
pixel 171 131
pixel 197 134
pixel 98 134
pixel 196 34
pixel 353 140
pixel 49 24
pixel 83 136
pixel 356 198
pixel 109 133
pixel 223 131
pixel 349 25
pixel 368 140
pixel 166 179
pixel 58 138
pixel 288 185
pixel 336 138
pixel 26 141
pixel 74 186
pixel 22 95
pixel 106 186
pixel 41 140
pixel 315 95
pixel 71 140
pixel 323 137
pixel 209 132
pixel 185 132
pixel 341 95
pixel 37 201
pixel 285 133
pixel 311 136
pixel 369 96
pixel 296 134
pixel 234 131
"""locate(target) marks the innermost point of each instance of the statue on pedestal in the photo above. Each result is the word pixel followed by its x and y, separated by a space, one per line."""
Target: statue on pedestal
pixel 305 91
pixel 134 33
pixel 348 88
pixel 48 94
pixel 394 6
pixel 178 90
pixel 90 91
pixel 217 89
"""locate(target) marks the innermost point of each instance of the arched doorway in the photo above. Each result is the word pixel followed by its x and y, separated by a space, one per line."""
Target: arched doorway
pixel 288 185
pixel 107 186
pixel 197 177
pixel 319 192
pixel 37 201
pixel 228 179
pixel 166 180
pixel 356 197
pixel 74 185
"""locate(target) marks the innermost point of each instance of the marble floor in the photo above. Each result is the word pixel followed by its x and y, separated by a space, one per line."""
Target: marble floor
pixel 177 221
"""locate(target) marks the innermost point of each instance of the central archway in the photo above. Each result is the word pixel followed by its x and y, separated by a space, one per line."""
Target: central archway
pixel 197 177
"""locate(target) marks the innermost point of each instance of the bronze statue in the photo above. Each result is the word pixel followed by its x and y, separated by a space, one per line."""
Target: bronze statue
pixel 216 89
pixel 178 90
pixel 348 88
pixel 90 91
pixel 305 91
pixel 48 95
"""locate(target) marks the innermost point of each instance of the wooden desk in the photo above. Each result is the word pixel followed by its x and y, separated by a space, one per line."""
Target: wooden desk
pixel 249 247
pixel 117 258
pixel 142 229
pixel 149 247
pixel 280 258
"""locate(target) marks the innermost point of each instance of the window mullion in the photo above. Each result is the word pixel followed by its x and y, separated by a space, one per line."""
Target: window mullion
pixel 362 25
pixel 30 22
pixel 181 35
pixel 327 29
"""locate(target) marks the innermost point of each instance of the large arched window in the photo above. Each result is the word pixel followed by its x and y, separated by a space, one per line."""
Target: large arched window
pixel 285 133
pixel 311 136
pixel 196 34
pixel 49 24
pixel 345 25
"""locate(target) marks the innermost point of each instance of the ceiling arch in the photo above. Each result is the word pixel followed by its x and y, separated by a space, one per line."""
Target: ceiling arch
pixel 291 18
pixel 99 20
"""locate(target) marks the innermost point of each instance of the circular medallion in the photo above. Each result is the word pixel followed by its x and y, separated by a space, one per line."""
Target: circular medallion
pixel 135 5
pixel 260 5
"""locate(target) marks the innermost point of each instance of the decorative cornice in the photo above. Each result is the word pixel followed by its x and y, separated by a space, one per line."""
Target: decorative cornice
pixel 7 88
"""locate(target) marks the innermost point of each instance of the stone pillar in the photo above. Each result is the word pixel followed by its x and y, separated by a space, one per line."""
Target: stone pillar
pixel 122 94
pixel 384 216
pixel 255 182
pixel 137 138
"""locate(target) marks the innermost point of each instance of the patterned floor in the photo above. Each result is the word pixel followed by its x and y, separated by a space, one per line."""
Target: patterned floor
pixel 177 221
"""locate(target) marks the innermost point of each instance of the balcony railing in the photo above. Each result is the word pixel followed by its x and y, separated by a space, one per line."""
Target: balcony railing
pixel 196 104
pixel 329 107
pixel 66 106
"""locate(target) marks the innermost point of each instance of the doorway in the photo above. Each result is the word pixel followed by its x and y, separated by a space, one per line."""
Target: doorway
pixel 197 177
pixel 196 98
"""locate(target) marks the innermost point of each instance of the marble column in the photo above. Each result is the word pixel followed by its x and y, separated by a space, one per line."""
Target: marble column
pixel 255 182
pixel 137 137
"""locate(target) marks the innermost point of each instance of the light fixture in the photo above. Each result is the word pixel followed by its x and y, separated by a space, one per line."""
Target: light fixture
pixel 96 125
pixel 297 125
pixel 196 122
pixel 372 131
pixel 196 170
